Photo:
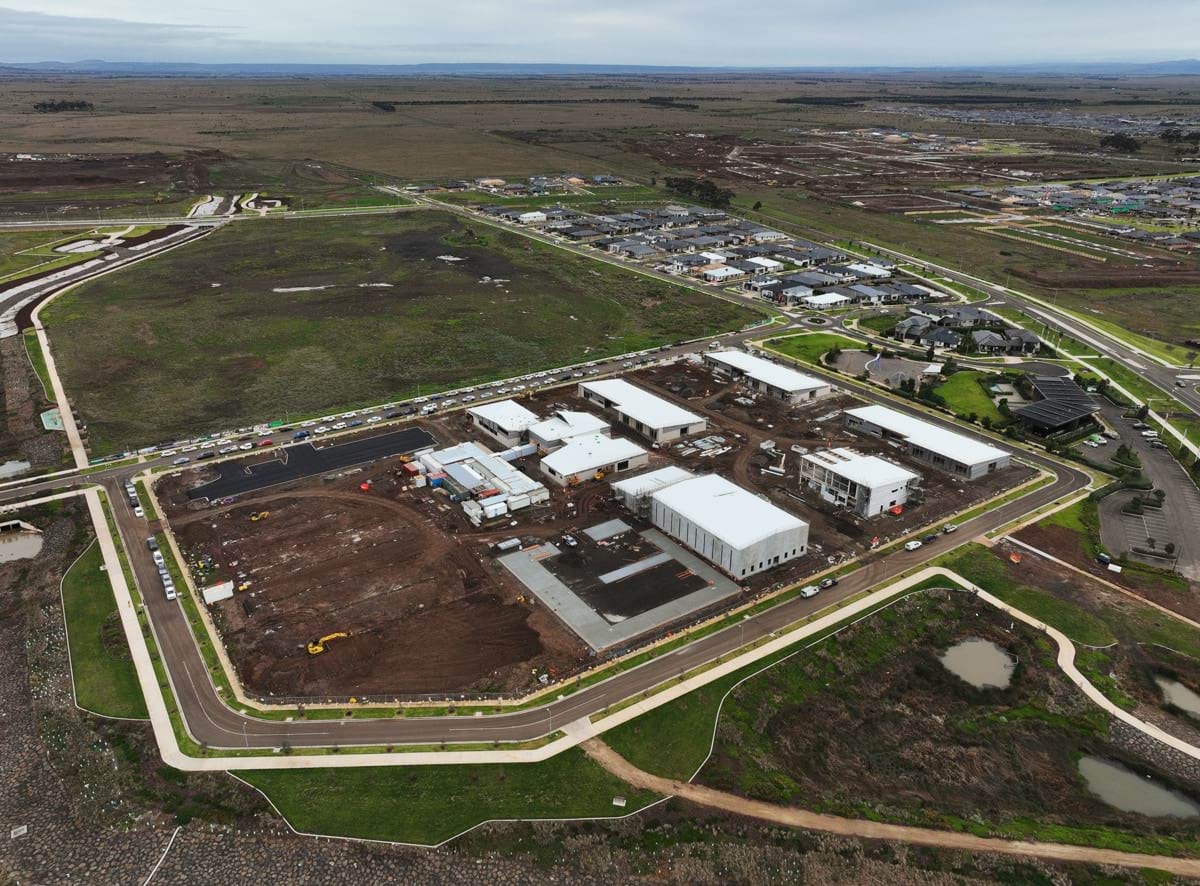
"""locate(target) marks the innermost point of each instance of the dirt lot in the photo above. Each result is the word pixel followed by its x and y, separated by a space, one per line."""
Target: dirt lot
pixel 864 168
pixel 390 567
pixel 59 182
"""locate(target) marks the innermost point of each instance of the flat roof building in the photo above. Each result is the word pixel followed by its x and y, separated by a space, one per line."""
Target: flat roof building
pixel 865 484
pixel 562 425
pixel 635 492
pixel 582 457
pixel 730 526
pixel 506 420
pixel 936 446
pixel 767 377
pixel 648 414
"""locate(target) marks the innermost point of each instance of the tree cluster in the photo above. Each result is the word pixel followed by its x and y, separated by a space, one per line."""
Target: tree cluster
pixel 1119 141
pixel 701 190
pixel 55 107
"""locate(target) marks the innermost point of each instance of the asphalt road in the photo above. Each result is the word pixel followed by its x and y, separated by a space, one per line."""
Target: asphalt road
pixel 211 721
pixel 305 460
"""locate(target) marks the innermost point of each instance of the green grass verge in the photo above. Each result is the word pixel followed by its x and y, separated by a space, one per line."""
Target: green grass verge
pixel 38 360
pixel 106 681
pixel 964 395
pixel 430 804
pixel 811 346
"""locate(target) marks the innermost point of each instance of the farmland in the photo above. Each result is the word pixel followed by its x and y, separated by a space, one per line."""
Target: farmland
pixel 277 320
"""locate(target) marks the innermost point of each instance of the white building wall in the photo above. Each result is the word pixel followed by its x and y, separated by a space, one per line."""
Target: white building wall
pixel 738 562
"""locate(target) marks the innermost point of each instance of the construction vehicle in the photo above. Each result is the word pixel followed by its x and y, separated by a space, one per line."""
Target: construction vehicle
pixel 599 475
pixel 316 647
pixel 261 515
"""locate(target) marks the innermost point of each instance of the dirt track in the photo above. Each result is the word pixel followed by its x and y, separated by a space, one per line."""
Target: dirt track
pixel 873 830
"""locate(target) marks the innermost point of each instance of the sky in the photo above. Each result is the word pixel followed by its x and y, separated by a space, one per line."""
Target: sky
pixel 717 33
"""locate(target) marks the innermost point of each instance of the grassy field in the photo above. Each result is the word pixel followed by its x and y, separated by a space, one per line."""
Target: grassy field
pixel 105 678
pixel 281 319
pixel 811 346
pixel 1094 625
pixel 963 394
pixel 429 804
pixel 882 323
pixel 306 184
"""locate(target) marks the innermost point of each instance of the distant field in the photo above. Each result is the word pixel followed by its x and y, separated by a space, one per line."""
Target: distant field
pixel 202 339
pixel 307 184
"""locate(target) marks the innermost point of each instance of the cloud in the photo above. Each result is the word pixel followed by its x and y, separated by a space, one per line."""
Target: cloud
pixel 710 33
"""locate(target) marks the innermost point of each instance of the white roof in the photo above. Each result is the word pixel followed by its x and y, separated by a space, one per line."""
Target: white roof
pixel 589 452
pixel 507 414
pixel 652 481
pixel 869 269
pixel 640 405
pixel 723 271
pixel 767 372
pixel 826 298
pixel 765 262
pixel 565 424
pixel 737 517
pixel 865 470
pixel 955 447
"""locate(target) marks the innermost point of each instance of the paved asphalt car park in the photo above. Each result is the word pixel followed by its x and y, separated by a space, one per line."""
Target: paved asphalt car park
pixel 304 460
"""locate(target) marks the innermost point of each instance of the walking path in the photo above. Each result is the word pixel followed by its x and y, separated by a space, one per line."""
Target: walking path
pixel 875 830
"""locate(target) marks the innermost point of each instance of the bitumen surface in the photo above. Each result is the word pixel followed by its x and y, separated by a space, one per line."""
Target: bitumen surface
pixel 305 460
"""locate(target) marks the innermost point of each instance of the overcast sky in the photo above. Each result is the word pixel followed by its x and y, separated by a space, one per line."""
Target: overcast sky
pixel 662 32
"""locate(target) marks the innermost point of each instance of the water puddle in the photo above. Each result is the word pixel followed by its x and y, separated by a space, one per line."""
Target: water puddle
pixel 1179 695
pixel 1124 789
pixel 980 662
pixel 13 469
pixel 19 545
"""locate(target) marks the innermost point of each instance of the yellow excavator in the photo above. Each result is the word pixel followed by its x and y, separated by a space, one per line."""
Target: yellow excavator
pixel 316 647
pixel 261 515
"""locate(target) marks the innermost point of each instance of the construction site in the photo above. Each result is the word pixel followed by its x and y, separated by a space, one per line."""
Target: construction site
pixel 508 553
pixel 879 169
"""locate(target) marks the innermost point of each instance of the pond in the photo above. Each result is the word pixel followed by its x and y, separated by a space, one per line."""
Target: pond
pixel 19 546
pixel 980 662
pixel 1179 695
pixel 1126 790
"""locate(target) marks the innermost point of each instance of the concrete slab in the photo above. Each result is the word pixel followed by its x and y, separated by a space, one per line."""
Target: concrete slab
pixel 603 632
pixel 607 529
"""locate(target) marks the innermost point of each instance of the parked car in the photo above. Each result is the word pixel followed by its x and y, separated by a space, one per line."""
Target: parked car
pixel 266 442
pixel 183 460
pixel 339 426
pixel 300 435
pixel 912 545
pixel 809 591
pixel 354 424
pixel 828 582
pixel 930 538
pixel 206 455
pixel 225 450
pixel 152 543
pixel 950 527
pixel 374 418
pixel 245 447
